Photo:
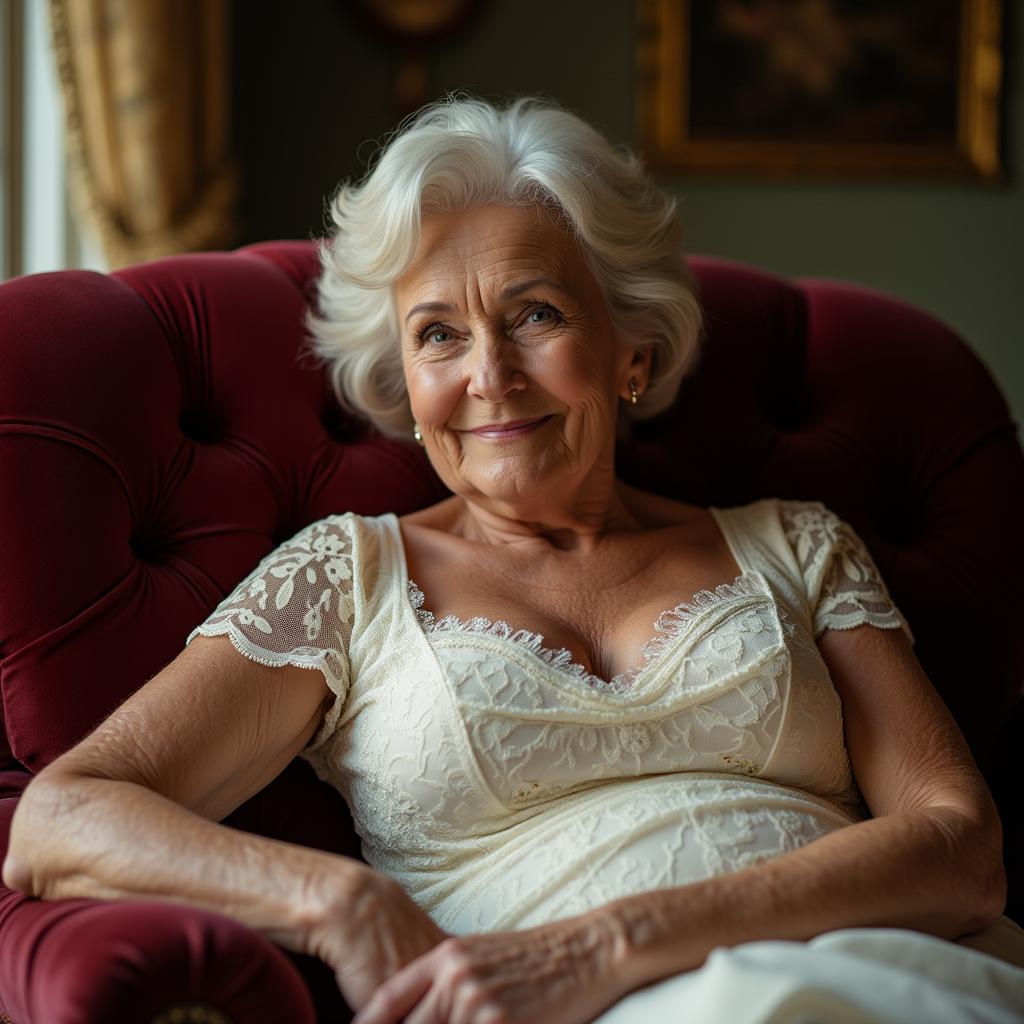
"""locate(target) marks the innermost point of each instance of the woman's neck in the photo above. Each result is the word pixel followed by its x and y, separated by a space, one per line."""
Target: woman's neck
pixel 547 523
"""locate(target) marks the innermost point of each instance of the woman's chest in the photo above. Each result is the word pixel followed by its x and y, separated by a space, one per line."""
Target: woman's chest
pixel 603 612
pixel 724 687
pixel 465 718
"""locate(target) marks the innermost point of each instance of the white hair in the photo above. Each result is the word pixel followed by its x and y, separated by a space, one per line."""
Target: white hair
pixel 461 152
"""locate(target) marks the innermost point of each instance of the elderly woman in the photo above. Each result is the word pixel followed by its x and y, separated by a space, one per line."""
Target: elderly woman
pixel 599 746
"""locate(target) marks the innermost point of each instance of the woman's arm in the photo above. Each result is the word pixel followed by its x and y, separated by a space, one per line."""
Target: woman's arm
pixel 76 836
pixel 929 860
pixel 132 812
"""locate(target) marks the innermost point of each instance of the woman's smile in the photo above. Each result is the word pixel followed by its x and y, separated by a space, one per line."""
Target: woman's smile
pixel 511 429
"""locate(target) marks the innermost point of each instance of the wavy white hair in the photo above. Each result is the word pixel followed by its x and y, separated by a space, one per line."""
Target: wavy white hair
pixel 461 152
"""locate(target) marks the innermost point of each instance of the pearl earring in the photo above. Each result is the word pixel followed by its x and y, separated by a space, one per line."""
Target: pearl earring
pixel 632 390
pixel 416 434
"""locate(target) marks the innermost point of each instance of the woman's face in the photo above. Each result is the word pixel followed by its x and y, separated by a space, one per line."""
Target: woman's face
pixel 513 367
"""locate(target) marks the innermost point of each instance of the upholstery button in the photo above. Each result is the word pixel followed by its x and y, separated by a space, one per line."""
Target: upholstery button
pixel 144 549
pixel 199 427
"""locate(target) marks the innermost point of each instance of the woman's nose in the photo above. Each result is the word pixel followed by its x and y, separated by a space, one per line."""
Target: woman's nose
pixel 492 370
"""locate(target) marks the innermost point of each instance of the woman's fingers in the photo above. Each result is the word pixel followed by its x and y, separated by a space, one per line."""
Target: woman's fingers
pixel 454 988
pixel 399 994
pixel 369 934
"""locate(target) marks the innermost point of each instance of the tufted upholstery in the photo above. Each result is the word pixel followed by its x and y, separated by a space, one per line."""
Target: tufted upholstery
pixel 162 428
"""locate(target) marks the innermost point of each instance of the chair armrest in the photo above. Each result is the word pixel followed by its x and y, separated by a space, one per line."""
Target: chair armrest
pixel 81 961
pixel 78 961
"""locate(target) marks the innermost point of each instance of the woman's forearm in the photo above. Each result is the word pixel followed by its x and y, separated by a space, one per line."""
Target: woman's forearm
pixel 74 836
pixel 925 870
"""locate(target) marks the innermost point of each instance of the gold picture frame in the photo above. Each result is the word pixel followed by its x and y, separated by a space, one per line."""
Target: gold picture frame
pixel 745 87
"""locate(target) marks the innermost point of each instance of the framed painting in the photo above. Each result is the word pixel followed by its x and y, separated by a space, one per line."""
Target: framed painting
pixel 837 88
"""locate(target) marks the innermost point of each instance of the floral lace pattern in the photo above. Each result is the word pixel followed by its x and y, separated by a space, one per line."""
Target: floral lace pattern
pixel 295 607
pixel 626 839
pixel 850 589
pixel 668 627
pixel 535 736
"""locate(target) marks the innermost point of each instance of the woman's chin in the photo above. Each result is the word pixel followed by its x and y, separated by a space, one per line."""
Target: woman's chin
pixel 510 482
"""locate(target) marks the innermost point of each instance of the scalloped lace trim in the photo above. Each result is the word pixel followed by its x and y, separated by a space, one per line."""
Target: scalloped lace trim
pixel 669 625
pixel 300 657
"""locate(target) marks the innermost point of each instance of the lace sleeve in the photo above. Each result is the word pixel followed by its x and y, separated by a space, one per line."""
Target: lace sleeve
pixel 296 608
pixel 843 584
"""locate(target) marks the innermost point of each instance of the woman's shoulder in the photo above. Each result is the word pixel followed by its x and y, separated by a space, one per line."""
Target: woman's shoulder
pixel 782 526
pixel 657 511
pixel 354 525
pixel 753 518
pixel 761 515
pixel 791 514
pixel 364 542
pixel 439 516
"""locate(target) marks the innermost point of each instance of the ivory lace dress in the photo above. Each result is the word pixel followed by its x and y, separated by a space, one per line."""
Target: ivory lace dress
pixel 504 786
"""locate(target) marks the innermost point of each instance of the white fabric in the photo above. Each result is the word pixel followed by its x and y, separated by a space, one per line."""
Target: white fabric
pixel 504 786
pixel 851 976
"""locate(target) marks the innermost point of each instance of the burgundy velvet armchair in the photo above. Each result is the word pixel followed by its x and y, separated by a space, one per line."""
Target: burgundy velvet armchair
pixel 163 427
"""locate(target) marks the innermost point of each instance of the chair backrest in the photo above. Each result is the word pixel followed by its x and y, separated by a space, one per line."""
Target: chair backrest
pixel 163 427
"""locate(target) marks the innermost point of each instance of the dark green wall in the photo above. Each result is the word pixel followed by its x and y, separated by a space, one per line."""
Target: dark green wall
pixel 314 96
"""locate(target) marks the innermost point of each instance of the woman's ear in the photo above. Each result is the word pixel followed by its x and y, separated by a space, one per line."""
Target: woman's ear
pixel 639 370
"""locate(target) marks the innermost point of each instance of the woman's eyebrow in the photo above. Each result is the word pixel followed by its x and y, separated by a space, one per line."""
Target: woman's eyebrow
pixel 428 307
pixel 516 289
pixel 509 293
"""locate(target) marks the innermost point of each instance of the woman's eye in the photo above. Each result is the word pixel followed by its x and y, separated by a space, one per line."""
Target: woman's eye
pixel 548 313
pixel 436 335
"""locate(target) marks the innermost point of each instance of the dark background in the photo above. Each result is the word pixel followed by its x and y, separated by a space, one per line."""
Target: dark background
pixel 314 96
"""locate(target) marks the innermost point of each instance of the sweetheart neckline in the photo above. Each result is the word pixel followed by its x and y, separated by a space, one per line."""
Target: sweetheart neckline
pixel 669 625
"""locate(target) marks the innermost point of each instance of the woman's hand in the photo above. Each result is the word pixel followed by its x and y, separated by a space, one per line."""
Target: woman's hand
pixel 370 930
pixel 557 973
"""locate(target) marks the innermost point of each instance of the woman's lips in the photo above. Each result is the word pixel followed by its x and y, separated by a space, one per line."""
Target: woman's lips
pixel 514 428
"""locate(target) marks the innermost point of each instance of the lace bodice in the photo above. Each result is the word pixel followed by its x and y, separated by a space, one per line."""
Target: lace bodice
pixel 669 624
pixel 502 784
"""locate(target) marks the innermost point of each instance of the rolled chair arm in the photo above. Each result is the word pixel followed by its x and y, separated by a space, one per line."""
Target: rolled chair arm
pixel 82 961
